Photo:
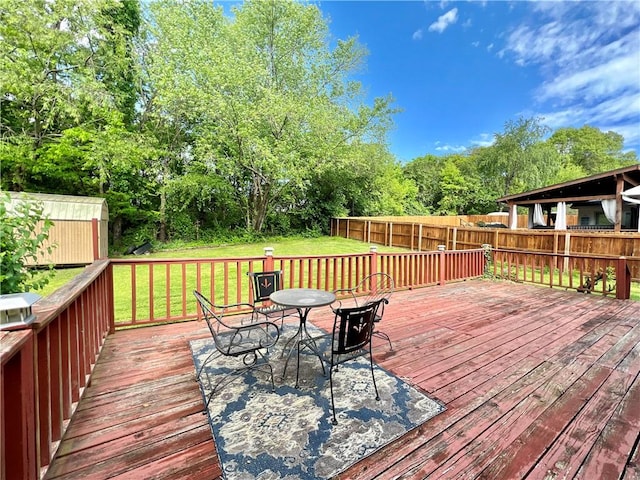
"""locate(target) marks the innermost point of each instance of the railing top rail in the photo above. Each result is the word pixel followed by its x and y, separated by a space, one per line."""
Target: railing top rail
pixel 51 306
pixel 561 254
pixel 136 260
pixel 11 342
pixel 127 261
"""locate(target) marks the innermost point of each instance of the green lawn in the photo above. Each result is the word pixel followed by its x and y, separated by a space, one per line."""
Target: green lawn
pixel 281 246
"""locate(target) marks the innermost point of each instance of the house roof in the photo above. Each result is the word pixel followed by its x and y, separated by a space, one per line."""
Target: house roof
pixel 596 187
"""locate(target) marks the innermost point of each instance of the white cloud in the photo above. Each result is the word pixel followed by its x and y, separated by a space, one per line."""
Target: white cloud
pixel 475 44
pixel 417 35
pixel 483 140
pixel 444 21
pixel 588 54
pixel 490 47
pixel 450 148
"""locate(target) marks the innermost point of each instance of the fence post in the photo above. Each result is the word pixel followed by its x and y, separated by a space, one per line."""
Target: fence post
pixel 441 249
pixel 268 259
pixel 373 260
pixel 623 279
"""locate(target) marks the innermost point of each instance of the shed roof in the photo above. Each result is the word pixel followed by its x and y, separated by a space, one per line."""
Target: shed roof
pixel 63 207
pixel 598 186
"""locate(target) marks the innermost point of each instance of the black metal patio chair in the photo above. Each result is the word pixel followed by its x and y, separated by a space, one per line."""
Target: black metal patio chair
pixel 262 285
pixel 351 338
pixel 248 343
pixel 373 288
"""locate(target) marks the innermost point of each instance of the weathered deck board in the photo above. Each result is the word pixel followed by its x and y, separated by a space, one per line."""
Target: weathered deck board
pixel 538 383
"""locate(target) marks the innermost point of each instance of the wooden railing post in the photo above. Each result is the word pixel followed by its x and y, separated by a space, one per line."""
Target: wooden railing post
pixel 443 268
pixel 111 306
pixel 623 279
pixel 18 430
pixel 373 260
pixel 268 259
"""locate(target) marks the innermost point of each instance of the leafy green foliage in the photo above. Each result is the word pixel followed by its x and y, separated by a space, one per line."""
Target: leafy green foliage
pixel 269 103
pixel 591 150
pixel 195 123
pixel 520 159
pixel 23 235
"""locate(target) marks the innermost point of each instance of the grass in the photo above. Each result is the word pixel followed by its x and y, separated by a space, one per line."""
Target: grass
pixel 167 303
pixel 281 246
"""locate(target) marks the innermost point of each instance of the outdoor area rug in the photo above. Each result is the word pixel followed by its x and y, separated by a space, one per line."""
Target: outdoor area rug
pixel 288 434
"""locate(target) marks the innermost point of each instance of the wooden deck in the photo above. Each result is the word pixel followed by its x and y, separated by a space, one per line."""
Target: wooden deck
pixel 538 384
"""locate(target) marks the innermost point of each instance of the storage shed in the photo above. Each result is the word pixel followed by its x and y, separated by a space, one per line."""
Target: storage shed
pixel 80 228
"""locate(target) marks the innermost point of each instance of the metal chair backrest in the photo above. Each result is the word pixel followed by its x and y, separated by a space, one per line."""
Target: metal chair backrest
pixel 247 342
pixel 264 284
pixel 352 328
pixel 379 286
pixel 214 321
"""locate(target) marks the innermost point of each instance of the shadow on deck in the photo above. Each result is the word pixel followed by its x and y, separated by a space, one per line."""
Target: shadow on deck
pixel 538 383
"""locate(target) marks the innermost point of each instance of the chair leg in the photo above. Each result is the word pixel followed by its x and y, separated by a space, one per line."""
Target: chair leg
pixel 234 375
pixel 383 335
pixel 333 405
pixel 203 365
pixel 373 376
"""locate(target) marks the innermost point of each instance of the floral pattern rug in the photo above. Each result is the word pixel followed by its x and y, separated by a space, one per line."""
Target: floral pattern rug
pixel 288 434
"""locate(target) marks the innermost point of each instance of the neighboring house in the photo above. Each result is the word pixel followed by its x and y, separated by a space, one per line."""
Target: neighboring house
pixel 80 226
pixel 605 201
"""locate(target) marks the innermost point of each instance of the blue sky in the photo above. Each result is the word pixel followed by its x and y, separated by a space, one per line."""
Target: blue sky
pixel 460 70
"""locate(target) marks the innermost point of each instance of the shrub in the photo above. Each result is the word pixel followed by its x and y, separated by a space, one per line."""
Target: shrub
pixel 20 241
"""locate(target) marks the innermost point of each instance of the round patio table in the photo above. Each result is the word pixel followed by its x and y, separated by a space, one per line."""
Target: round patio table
pixel 302 299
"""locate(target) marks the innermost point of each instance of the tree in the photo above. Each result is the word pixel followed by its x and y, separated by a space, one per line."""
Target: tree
pixel 509 162
pixel 62 68
pixel 591 150
pixel 22 240
pixel 268 102
pixel 425 173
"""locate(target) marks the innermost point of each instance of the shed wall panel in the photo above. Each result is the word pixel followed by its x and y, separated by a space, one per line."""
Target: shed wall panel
pixel 74 243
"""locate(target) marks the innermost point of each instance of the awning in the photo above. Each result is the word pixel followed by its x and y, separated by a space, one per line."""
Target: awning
pixel 632 195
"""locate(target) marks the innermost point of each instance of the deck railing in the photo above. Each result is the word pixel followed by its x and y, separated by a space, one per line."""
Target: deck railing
pixel 46 367
pixel 152 291
pixel 606 275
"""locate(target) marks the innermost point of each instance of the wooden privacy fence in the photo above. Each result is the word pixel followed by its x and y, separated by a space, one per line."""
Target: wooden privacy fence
pixel 157 290
pixel 422 237
pixel 46 367
pixel 456 220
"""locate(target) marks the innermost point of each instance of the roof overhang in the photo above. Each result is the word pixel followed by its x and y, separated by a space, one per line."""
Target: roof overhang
pixel 601 186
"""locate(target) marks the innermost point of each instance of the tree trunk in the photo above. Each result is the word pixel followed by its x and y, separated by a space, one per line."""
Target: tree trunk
pixel 116 229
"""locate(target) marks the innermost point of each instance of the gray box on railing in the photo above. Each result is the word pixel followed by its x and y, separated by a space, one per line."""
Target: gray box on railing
pixel 15 310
